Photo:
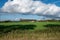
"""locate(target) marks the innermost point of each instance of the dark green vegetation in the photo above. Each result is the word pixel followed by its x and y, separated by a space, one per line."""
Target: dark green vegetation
pixel 41 26
pixel 34 29
pixel 6 29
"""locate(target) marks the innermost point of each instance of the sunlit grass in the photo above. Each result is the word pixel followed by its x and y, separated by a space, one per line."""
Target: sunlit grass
pixel 41 31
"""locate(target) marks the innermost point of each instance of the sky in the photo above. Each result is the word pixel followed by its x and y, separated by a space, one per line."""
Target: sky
pixel 42 9
pixel 2 2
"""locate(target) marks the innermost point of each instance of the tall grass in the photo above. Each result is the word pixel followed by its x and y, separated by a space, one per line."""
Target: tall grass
pixel 30 31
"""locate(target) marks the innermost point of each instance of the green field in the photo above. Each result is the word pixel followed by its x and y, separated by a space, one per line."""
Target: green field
pixel 30 30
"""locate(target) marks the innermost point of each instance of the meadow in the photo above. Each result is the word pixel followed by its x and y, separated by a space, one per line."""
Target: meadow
pixel 30 30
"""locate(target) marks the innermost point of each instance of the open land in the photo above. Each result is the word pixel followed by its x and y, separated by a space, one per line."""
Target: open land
pixel 29 30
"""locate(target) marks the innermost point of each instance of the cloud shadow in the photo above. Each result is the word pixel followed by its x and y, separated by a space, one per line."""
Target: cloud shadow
pixel 6 29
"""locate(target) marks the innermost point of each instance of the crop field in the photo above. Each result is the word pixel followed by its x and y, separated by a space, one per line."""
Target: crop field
pixel 29 30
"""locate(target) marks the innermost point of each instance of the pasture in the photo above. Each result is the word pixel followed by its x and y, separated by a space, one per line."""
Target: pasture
pixel 29 30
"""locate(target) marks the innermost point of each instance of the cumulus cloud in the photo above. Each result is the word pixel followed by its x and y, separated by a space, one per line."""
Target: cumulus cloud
pixel 30 6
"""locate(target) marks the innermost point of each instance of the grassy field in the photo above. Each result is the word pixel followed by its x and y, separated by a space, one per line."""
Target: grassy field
pixel 29 30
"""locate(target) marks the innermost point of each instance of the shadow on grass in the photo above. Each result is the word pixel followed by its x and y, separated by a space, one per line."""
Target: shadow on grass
pixel 6 29
pixel 53 27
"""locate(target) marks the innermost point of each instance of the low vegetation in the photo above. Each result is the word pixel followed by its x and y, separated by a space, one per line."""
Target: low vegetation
pixel 30 30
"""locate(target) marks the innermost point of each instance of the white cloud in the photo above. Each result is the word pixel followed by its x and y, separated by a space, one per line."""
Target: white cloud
pixel 35 7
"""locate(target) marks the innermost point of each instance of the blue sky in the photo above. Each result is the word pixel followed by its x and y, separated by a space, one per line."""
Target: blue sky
pixel 14 16
pixel 2 2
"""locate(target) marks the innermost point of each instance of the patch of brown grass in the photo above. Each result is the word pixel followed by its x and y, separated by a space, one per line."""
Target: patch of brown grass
pixel 28 35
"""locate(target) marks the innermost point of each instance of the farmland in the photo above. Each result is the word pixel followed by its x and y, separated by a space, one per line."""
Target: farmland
pixel 29 30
